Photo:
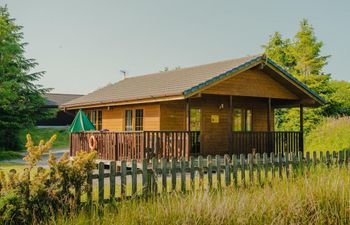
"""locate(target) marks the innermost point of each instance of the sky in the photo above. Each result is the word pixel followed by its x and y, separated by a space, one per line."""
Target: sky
pixel 82 45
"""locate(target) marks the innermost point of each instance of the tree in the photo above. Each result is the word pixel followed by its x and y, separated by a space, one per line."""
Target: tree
pixel 20 97
pixel 302 57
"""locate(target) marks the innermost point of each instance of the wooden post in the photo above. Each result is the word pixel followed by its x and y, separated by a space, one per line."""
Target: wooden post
pixel 269 135
pixel 188 128
pixel 301 135
pixel 230 140
pixel 268 115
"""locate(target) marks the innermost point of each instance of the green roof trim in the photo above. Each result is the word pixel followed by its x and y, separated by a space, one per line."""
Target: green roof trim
pixel 219 77
pixel 249 63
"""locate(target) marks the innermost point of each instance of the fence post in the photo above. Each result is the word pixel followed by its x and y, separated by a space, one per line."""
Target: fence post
pixel 192 171
pixel 101 185
pixel 251 168
pixel 173 173
pixel 258 168
pixel 123 179
pixel 145 184
pixel 280 165
pixel 314 159
pixel 201 172
pixel 183 174
pixel 265 162
pixel 134 177
pixel 210 172
pixel 89 188
pixel 227 171
pixel 112 170
pixel 308 165
pixel 164 164
pixel 272 158
pixel 154 176
pixel 242 161
pixel 234 170
pixel 218 171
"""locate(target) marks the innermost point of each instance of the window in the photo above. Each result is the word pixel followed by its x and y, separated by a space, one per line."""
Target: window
pixel 93 118
pixel 128 120
pixel 139 119
pixel 242 119
pixel 195 121
pixel 99 120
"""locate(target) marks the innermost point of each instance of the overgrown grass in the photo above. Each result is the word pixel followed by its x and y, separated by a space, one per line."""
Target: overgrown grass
pixel 38 134
pixel 320 198
pixel 331 134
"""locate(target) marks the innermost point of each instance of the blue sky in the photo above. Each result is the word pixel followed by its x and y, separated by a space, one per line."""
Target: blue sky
pixel 83 45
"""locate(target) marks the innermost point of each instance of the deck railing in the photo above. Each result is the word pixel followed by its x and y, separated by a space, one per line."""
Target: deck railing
pixel 274 141
pixel 137 144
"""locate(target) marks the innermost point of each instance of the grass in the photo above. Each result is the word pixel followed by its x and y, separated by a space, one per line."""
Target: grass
pixel 331 134
pixel 320 198
pixel 38 134
pixel 7 155
pixel 7 166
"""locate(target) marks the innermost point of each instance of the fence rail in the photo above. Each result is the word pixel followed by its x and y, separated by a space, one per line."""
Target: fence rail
pixel 163 176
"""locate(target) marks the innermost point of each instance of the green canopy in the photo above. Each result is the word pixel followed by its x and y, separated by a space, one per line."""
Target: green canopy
pixel 81 123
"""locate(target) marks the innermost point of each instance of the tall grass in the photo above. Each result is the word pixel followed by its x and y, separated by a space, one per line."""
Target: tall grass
pixel 331 134
pixel 320 198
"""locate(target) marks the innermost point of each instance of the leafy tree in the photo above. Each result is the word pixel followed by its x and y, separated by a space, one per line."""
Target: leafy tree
pixel 301 56
pixel 20 97
pixel 341 96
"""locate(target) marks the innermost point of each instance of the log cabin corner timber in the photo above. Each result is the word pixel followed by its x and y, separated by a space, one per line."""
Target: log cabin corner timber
pixel 221 108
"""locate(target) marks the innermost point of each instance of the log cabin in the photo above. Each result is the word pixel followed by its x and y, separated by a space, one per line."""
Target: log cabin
pixel 220 108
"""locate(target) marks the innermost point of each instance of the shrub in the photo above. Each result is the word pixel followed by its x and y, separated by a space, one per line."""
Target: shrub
pixel 35 196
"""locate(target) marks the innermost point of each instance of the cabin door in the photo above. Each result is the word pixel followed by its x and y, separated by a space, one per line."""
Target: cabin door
pixel 195 127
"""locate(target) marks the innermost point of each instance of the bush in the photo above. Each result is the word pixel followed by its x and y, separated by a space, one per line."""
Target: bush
pixel 35 196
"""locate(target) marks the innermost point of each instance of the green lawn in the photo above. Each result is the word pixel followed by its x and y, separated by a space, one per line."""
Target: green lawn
pixel 38 134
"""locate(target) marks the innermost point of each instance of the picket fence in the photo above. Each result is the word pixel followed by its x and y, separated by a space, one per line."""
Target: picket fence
pixel 162 175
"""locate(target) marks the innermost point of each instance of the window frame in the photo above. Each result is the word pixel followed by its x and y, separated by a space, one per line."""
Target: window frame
pixel 128 126
pixel 243 118
pixel 139 118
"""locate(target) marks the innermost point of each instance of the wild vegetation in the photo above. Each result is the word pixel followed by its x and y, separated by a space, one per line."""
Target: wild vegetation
pixel 317 198
pixel 37 195
pixel 331 134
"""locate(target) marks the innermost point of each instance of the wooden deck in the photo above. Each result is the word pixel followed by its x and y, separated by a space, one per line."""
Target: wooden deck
pixel 141 145
pixel 137 144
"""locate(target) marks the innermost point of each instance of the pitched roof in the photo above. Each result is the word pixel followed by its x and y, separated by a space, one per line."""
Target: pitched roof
pixel 180 82
pixel 55 99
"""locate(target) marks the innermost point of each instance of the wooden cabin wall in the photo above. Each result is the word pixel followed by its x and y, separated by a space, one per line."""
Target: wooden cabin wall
pixel 214 136
pixel 113 118
pixel 173 116
pixel 253 82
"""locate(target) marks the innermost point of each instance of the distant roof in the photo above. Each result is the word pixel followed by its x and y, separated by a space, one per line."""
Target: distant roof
pixel 55 99
pixel 178 82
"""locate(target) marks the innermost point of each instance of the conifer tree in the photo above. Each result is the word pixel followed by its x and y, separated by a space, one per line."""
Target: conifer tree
pixel 20 97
